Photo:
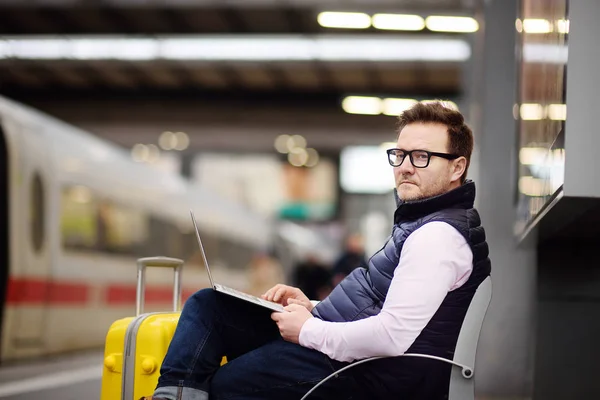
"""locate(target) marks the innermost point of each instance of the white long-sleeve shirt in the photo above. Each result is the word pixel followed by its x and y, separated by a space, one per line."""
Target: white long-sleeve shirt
pixel 435 260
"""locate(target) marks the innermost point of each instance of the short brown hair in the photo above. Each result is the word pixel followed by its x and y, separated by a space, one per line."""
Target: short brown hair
pixel 459 134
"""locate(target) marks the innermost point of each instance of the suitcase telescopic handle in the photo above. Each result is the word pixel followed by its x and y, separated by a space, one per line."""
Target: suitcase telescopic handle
pixel 164 262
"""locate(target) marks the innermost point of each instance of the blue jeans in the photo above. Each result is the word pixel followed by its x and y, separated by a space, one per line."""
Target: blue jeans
pixel 261 365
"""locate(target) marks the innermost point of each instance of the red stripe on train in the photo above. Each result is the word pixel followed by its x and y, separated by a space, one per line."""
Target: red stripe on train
pixel 36 291
pixel 30 291
pixel 125 294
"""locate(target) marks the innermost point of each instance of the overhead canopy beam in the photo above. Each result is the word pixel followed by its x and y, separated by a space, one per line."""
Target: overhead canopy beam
pixel 340 4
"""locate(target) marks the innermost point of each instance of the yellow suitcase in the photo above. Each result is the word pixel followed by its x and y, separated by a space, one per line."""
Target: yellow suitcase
pixel 135 346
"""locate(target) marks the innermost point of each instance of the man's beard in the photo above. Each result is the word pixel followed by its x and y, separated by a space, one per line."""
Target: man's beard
pixel 436 189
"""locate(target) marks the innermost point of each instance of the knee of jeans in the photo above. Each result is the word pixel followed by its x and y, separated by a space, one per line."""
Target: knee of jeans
pixel 200 298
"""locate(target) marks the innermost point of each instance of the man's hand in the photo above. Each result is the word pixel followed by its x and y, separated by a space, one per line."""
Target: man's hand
pixel 290 323
pixel 287 295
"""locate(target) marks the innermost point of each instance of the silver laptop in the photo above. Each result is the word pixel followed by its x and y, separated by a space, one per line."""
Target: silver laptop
pixel 227 290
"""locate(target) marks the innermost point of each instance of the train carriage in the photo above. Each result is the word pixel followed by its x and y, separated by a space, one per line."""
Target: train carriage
pixel 76 212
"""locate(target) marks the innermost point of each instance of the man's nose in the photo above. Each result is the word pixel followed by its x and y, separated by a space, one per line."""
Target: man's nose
pixel 406 167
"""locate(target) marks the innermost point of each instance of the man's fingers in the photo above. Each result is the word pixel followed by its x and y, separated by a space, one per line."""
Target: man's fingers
pixel 279 294
pixel 271 292
pixel 294 307
pixel 268 294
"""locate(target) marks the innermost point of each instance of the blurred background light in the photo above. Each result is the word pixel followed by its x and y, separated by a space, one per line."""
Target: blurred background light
pixel 281 144
pixel 532 155
pixel 153 154
pixel 313 158
pixel 531 112
pixel 536 25
pixel 296 141
pixel 562 26
pixel 140 152
pixel 182 141
pixel 557 112
pixel 362 105
pixel 394 107
pixel 545 53
pixel 173 140
pixel 519 25
pixel 298 156
pixel 384 48
pixel 348 20
pixel 365 169
pixel 451 24
pixel 398 22
pixel 167 140
pixel 530 186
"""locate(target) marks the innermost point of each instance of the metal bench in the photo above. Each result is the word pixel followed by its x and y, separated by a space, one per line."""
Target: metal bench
pixel 462 385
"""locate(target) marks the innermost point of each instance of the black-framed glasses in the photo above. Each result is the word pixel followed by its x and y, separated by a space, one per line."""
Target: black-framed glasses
pixel 418 158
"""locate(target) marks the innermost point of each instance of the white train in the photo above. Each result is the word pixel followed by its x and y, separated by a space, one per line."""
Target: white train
pixel 76 212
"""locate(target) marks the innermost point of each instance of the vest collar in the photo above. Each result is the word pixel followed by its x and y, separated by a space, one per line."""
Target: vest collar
pixel 461 197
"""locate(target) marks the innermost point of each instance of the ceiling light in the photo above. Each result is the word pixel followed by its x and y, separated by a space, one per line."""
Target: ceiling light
pixel 531 25
pixel 557 112
pixel 531 112
pixel 362 105
pixel 530 186
pixel 167 140
pixel 349 20
pixel 545 53
pixel 532 155
pixel 519 25
pixel 398 22
pixel 562 26
pixel 281 144
pixel 285 48
pixel 313 158
pixel 119 48
pixel 139 152
pixel 183 141
pixel 298 157
pixel 515 111
pixel 298 141
pixel 451 24
pixel 395 107
pixel 153 154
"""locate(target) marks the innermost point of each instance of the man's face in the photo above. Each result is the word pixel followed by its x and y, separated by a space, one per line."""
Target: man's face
pixel 438 177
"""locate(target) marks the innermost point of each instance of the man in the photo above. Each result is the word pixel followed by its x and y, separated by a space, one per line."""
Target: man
pixel 312 278
pixel 352 257
pixel 412 297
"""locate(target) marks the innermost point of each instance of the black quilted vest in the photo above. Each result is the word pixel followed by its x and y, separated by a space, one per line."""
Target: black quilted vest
pixel 363 292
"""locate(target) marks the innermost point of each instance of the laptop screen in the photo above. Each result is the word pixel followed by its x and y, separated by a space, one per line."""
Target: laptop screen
pixel 202 249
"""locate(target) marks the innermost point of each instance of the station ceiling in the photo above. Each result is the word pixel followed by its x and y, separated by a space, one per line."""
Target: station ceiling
pixel 300 58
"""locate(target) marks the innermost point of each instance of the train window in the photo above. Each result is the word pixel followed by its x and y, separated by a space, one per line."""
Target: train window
pixel 124 229
pixel 96 224
pixel 79 222
pixel 165 238
pixel 37 213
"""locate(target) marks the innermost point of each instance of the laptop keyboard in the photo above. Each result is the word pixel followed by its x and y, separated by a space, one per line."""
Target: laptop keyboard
pixel 246 296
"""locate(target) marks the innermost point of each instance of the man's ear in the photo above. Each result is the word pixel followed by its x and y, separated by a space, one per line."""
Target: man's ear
pixel 458 168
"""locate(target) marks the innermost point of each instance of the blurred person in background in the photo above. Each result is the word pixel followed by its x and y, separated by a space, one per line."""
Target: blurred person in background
pixel 265 272
pixel 412 298
pixel 353 256
pixel 313 278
